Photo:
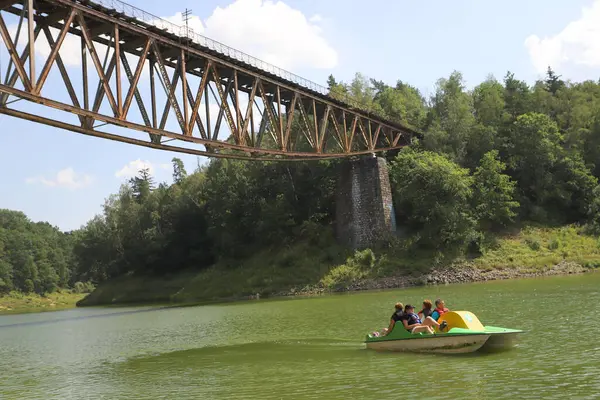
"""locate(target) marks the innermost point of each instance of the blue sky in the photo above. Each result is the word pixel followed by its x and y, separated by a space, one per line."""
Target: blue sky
pixel 64 178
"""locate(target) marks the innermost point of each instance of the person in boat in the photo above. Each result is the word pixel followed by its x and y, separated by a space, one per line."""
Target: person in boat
pixel 426 311
pixel 396 316
pixel 440 309
pixel 413 323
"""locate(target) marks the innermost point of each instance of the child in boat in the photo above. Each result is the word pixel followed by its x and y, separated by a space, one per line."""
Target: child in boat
pixel 413 323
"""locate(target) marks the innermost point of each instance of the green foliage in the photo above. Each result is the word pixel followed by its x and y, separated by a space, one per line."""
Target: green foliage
pixel 228 210
pixel 534 149
pixel 488 102
pixel 433 197
pixel 360 265
pixel 81 287
pixel 450 119
pixel 493 198
pixel 403 102
pixel 538 248
pixel 493 158
pixel 533 243
pixel 594 212
pixel 34 257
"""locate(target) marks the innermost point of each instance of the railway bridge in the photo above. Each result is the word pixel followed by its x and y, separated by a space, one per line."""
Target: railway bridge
pixel 192 95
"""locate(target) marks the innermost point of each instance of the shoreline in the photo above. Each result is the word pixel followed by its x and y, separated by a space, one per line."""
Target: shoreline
pixel 441 276
pixel 19 303
pixel 444 276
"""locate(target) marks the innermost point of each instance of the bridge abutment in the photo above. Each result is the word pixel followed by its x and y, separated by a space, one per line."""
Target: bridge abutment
pixel 364 208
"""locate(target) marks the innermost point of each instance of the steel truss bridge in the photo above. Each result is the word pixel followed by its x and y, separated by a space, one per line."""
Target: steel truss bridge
pixel 129 56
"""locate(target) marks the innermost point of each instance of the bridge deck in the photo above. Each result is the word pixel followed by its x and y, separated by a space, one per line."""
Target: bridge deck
pixel 148 37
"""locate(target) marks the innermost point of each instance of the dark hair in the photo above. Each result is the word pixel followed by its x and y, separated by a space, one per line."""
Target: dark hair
pixel 407 307
pixel 438 301
pixel 427 304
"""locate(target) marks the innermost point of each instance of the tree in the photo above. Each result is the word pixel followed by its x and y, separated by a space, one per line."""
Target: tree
pixel 517 97
pixel 488 103
pixel 179 172
pixel 142 184
pixel 533 151
pixel 331 82
pixel 594 210
pixel 450 118
pixel 403 103
pixel 553 81
pixel 433 197
pixel 493 198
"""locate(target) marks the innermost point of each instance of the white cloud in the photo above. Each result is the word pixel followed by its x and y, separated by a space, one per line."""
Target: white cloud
pixel 578 43
pixel 271 31
pixel 132 168
pixel 66 178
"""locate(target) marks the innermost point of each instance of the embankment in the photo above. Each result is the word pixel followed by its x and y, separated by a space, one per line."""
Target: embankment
pixel 305 269
pixel 16 303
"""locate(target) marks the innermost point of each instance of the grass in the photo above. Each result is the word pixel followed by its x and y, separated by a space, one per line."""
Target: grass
pixel 538 248
pixel 318 262
pixel 16 302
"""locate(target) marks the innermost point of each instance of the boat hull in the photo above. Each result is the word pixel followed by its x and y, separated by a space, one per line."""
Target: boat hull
pixel 436 344
pixel 501 341
pixel 464 334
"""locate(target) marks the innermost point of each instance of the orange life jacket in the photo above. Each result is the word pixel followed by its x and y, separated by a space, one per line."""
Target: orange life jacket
pixel 441 311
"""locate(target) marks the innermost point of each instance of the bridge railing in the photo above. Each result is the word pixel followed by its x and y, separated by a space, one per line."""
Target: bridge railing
pixel 182 31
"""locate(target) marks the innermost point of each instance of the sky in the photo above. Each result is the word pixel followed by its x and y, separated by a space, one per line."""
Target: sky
pixel 64 178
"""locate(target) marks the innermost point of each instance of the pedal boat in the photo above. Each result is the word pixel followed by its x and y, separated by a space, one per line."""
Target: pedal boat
pixel 464 334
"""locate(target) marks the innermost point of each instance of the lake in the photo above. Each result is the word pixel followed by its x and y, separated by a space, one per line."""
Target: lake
pixel 306 348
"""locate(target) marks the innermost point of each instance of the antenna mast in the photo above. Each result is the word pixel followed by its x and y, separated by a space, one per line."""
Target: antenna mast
pixel 186 17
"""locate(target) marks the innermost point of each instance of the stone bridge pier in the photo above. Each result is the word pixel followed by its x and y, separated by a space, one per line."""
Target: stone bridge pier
pixel 364 208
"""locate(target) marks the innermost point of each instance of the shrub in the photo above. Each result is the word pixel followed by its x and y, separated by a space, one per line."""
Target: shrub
pixel 80 287
pixel 534 244
pixel 28 286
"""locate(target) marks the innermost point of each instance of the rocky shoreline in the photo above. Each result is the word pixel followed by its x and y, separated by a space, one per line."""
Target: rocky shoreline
pixel 445 275
pixel 464 274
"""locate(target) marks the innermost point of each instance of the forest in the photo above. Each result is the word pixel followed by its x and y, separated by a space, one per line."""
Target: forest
pixel 493 158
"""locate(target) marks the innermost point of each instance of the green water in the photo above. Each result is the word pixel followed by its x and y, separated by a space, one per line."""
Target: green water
pixel 306 348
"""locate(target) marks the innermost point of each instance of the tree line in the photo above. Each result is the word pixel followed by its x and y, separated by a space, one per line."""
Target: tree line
pixel 491 158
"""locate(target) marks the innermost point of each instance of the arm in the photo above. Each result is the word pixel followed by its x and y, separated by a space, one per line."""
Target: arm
pixel 407 326
pixel 389 329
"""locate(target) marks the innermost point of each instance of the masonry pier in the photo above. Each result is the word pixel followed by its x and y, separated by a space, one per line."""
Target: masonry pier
pixel 364 208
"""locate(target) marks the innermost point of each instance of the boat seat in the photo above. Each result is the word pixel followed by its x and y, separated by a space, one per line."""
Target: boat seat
pixel 461 319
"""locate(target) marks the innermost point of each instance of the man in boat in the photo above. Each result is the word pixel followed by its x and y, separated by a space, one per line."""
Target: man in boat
pixel 440 309
pixel 413 323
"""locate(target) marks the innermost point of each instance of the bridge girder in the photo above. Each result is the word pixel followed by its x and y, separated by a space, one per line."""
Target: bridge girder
pixel 266 117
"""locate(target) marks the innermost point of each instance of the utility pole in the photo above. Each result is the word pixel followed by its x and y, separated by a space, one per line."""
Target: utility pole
pixel 186 17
